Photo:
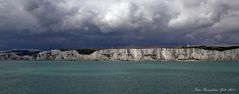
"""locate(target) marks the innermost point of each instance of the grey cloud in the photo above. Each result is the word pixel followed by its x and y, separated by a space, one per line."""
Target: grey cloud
pixel 126 22
pixel 197 14
pixel 109 15
pixel 13 17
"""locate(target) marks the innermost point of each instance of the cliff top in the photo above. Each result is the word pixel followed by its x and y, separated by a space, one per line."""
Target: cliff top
pixel 87 51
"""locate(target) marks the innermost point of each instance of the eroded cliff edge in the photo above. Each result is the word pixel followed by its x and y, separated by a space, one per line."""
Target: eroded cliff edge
pixel 156 54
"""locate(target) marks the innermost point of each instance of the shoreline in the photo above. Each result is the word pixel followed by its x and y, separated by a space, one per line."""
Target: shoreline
pixel 127 54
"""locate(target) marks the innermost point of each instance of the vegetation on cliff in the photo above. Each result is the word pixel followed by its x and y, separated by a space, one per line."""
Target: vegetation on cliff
pixel 218 48
pixel 82 51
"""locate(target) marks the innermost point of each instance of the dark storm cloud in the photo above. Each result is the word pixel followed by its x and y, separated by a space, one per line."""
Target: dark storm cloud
pixel 109 15
pixel 107 23
pixel 46 13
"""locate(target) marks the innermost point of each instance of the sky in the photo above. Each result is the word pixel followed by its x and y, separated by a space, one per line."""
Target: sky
pixel 49 24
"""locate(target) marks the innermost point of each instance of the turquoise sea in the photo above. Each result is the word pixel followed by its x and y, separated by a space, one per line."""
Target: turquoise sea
pixel 107 77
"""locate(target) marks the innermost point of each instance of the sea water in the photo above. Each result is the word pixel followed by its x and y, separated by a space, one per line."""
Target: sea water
pixel 108 77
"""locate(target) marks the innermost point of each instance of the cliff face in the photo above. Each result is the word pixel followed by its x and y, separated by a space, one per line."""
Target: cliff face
pixel 58 55
pixel 162 54
pixel 166 54
pixel 13 56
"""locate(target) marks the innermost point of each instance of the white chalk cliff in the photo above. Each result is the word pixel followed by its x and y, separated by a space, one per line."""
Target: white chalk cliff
pixel 156 54
pixel 160 54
